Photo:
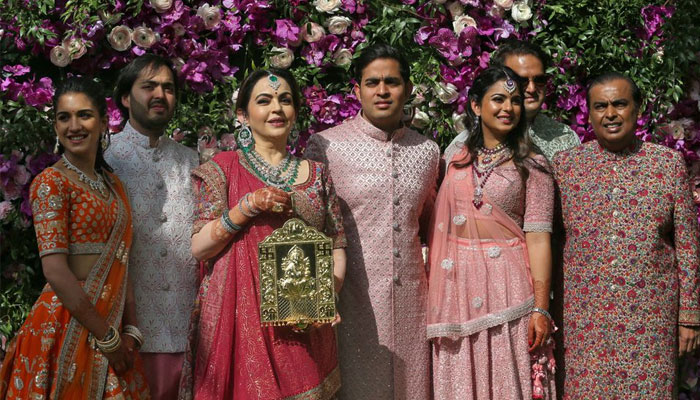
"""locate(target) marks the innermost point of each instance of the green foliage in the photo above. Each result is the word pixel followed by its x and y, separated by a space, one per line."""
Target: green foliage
pixel 594 36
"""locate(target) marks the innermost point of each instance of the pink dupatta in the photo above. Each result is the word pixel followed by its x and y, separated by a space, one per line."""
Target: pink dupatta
pixel 467 245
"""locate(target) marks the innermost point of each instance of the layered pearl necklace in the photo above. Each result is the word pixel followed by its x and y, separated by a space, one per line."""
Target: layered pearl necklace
pixel 490 159
pixel 97 184
pixel 281 176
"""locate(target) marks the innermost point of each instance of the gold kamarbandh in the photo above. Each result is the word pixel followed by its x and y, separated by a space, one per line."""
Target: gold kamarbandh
pixel 296 276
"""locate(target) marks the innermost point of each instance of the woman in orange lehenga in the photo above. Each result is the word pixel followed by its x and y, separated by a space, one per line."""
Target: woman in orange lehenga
pixel 83 227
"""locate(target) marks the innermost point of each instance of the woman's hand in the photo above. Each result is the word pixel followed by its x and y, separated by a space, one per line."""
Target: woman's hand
pixel 122 359
pixel 337 319
pixel 271 199
pixel 688 339
pixel 538 331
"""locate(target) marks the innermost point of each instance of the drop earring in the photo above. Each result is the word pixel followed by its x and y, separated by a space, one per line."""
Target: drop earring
pixel 245 138
pixel 105 140
pixel 56 147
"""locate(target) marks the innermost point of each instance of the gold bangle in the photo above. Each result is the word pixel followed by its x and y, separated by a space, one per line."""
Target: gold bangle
pixel 111 342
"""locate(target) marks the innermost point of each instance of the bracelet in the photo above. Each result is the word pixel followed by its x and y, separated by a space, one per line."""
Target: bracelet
pixel 111 342
pixel 134 332
pixel 249 214
pixel 543 312
pixel 252 209
pixel 228 224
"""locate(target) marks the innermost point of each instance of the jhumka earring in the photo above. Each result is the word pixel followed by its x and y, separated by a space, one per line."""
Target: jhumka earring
pixel 105 140
pixel 477 122
pixel 245 138
pixel 56 147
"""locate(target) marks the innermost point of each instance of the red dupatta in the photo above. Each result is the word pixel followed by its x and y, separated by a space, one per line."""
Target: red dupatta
pixel 234 356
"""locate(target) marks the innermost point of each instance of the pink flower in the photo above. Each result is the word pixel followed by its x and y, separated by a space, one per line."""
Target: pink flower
pixel 5 209
pixel 16 70
pixel 285 32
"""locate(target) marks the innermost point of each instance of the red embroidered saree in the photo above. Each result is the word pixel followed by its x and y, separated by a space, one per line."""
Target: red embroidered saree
pixel 230 355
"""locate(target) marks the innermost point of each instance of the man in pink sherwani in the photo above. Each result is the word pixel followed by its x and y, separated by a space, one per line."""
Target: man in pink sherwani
pixel 386 176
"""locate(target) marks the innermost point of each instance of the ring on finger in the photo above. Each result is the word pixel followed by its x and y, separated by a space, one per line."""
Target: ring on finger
pixel 277 208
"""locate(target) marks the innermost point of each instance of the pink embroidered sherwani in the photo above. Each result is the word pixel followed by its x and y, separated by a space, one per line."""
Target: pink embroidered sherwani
pixel 163 271
pixel 386 186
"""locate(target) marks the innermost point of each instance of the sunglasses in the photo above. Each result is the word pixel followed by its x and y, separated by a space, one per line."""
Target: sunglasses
pixel 539 80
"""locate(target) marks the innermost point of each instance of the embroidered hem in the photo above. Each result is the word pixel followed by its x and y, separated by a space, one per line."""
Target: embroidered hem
pixel 537 227
pixel 481 323
pixel 326 390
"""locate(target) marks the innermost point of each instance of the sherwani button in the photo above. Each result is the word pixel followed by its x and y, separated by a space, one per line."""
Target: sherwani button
pixel 396 253
pixel 163 252
pixel 396 226
pixel 396 279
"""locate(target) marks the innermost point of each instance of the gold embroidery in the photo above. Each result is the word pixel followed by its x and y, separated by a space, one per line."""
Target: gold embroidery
pixel 43 190
pixel 106 291
pixel 71 372
pixel 55 202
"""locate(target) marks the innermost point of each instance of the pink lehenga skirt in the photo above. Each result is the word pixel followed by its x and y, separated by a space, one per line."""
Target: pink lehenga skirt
pixel 488 357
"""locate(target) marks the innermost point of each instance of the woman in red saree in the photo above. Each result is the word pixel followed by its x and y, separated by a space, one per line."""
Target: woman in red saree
pixel 242 197
pixel 490 258
pixel 83 227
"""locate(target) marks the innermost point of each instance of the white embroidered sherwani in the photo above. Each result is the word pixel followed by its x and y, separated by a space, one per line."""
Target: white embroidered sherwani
pixel 386 187
pixel 162 269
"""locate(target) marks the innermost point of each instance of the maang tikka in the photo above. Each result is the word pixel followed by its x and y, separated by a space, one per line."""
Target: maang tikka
pixel 274 81
pixel 509 85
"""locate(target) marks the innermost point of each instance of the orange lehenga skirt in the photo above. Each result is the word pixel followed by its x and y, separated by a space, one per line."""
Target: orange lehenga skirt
pixel 52 355
pixel 32 361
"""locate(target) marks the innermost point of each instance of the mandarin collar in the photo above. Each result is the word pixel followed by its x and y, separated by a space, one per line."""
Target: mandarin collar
pixel 364 126
pixel 625 153
pixel 137 138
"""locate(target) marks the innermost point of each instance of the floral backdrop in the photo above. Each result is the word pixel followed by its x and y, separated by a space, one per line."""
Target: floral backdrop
pixel 214 45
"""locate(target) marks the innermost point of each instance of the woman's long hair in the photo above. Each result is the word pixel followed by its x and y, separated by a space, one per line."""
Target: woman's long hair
pixel 93 91
pixel 517 140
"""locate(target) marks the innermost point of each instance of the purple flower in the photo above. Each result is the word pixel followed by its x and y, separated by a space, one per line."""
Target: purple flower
pixel 16 70
pixel 285 32
pixel 5 209
pixel 36 164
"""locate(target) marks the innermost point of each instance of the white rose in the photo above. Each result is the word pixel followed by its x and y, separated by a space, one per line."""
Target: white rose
pixel 76 47
pixel 458 121
pixel 210 14
pixel 342 57
pixel 462 22
pixel 161 6
pixel 338 25
pixel 506 4
pixel 447 93
pixel 312 32
pixel 420 119
pixel 282 57
pixel 178 29
pixel 143 37
pixel 455 8
pixel 521 11
pixel 327 6
pixel 60 56
pixel 120 37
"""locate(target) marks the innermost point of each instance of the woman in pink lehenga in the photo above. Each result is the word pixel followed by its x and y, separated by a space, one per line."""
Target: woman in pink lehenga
pixel 490 259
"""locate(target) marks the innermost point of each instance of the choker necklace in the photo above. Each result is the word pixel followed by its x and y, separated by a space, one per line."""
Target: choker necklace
pixel 281 176
pixel 95 184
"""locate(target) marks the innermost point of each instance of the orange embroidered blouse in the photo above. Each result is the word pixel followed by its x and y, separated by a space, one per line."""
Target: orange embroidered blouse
pixel 69 218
